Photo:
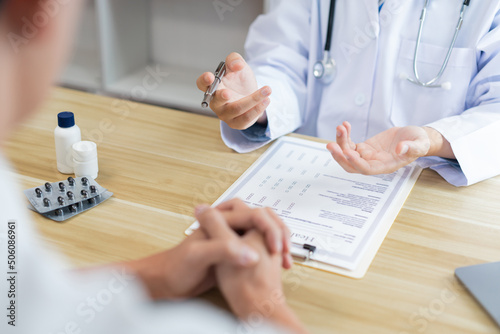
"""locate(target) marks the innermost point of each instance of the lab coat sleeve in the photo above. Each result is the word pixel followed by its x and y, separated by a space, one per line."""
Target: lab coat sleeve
pixel 277 50
pixel 474 135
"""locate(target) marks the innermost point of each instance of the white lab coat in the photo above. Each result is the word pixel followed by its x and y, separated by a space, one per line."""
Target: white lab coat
pixel 50 301
pixel 372 51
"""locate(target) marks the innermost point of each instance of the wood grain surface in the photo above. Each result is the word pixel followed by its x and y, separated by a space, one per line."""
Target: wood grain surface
pixel 160 163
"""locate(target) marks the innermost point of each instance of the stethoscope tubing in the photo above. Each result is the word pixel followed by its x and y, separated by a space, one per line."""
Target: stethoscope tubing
pixel 431 82
pixel 327 59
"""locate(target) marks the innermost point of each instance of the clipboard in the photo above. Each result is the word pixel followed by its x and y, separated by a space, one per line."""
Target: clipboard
pixel 307 253
pixel 301 257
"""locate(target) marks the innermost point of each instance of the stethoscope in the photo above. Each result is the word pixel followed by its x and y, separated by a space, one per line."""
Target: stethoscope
pixel 325 69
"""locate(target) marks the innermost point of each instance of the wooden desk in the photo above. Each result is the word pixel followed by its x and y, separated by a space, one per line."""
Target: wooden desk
pixel 160 163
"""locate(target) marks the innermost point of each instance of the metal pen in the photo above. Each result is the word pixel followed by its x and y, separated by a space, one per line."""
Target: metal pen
pixel 219 74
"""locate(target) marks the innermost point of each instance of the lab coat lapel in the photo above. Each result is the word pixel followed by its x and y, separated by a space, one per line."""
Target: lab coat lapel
pixel 355 50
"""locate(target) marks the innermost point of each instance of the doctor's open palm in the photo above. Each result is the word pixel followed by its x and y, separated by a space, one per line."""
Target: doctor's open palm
pixel 387 151
pixel 238 101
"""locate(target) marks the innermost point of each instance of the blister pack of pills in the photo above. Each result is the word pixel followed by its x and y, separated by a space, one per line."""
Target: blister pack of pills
pixel 62 200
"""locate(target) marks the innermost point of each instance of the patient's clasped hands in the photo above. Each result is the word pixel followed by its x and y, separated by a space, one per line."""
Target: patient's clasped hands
pixel 237 249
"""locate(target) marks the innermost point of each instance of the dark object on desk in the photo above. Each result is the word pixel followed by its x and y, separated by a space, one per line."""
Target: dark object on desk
pixel 309 248
pixel 483 282
pixel 83 194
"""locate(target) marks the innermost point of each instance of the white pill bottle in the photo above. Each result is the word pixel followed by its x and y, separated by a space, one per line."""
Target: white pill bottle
pixel 66 134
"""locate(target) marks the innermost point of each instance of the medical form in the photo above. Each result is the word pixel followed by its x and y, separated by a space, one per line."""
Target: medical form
pixel 345 216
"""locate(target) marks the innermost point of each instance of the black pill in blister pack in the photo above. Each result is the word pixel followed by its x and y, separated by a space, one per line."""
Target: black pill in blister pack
pixel 73 196
pixel 68 192
pixel 72 210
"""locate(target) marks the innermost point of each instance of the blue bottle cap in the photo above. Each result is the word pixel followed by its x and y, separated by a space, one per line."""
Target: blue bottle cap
pixel 65 119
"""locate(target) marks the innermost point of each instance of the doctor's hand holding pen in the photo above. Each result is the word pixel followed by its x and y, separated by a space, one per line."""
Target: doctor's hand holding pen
pixel 239 102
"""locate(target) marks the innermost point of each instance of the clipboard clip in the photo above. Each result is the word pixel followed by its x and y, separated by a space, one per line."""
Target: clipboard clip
pixel 305 252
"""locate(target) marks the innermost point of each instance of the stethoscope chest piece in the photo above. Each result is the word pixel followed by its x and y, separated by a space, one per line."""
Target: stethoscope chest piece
pixel 325 69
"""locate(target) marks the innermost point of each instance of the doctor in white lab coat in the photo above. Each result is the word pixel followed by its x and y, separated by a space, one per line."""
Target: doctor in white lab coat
pixel 454 129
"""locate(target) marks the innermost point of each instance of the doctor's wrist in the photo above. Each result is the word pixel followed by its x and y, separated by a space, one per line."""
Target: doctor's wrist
pixel 439 146
pixel 262 120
